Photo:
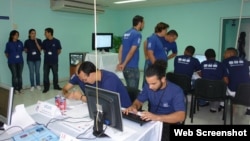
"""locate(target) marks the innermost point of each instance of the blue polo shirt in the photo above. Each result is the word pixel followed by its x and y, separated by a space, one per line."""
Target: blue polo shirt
pixel 238 71
pixel 111 82
pixel 154 43
pixel 74 80
pixel 51 48
pixel 213 70
pixel 168 100
pixel 187 65
pixel 14 51
pixel 169 46
pixel 131 38
pixel 33 53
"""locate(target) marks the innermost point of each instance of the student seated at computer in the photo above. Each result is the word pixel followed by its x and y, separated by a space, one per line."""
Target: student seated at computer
pixel 186 64
pixel 89 75
pixel 167 101
pixel 68 89
pixel 213 70
pixel 238 72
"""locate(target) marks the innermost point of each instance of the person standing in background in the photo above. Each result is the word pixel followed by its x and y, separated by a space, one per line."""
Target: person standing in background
pixel 32 47
pixel 241 45
pixel 13 51
pixel 169 43
pixel 129 53
pixel 52 48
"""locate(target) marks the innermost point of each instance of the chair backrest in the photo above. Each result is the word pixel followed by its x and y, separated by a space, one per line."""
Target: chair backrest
pixel 181 80
pixel 242 96
pixel 133 93
pixel 210 89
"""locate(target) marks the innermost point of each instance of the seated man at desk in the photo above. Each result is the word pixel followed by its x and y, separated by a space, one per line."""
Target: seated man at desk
pixel 167 101
pixel 103 79
pixel 74 80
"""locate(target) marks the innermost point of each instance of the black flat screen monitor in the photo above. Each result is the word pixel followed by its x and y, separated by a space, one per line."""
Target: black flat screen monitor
pixel 6 103
pixel 110 104
pixel 200 57
pixel 102 41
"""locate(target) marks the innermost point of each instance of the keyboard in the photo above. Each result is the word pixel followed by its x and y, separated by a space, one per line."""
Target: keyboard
pixel 134 118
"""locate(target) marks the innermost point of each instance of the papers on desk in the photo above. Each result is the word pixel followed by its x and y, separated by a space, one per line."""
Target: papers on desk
pixel 20 118
pixel 118 135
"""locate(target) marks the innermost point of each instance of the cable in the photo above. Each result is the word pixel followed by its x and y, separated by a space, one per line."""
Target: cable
pixel 240 17
pixel 9 129
pixel 78 137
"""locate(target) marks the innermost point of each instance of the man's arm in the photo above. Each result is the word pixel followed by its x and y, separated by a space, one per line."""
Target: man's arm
pixel 134 107
pixel 77 95
pixel 151 56
pixel 145 43
pixel 129 56
pixel 175 117
pixel 172 55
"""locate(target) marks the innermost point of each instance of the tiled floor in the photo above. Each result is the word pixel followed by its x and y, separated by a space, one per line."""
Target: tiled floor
pixel 203 116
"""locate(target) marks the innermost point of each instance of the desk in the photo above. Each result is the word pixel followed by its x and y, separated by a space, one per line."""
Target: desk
pixel 107 61
pixel 148 132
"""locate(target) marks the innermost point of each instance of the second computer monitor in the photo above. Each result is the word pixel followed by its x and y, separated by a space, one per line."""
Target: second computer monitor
pixel 6 104
pixel 110 105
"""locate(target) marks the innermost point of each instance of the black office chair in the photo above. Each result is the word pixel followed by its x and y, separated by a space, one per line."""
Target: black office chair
pixel 209 90
pixel 242 97
pixel 183 81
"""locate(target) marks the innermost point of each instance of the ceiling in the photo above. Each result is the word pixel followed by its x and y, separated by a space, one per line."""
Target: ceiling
pixel 110 3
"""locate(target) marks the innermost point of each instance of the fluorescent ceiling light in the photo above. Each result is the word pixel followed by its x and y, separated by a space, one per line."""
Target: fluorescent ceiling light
pixel 128 1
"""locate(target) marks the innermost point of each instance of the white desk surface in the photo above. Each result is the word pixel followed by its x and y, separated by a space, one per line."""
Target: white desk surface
pixel 148 132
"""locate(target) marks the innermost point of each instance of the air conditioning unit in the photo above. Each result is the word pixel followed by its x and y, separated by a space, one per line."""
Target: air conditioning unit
pixel 77 6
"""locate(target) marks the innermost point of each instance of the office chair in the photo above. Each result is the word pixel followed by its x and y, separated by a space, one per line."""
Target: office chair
pixel 183 81
pixel 209 90
pixel 242 97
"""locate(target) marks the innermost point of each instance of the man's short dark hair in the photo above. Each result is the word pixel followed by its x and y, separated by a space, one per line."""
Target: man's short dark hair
pixel 210 53
pixel 172 32
pixel 50 30
pixel 87 67
pixel 161 26
pixel 190 49
pixel 158 69
pixel 233 50
pixel 137 19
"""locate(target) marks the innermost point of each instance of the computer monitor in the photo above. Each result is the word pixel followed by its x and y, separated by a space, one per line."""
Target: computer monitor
pixel 109 109
pixel 200 57
pixel 6 103
pixel 104 41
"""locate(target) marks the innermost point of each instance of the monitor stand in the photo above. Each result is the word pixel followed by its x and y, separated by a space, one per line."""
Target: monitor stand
pixel 1 125
pixel 98 125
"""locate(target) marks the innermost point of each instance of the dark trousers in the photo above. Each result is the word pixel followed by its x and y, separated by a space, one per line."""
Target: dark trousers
pixel 16 72
pixel 46 71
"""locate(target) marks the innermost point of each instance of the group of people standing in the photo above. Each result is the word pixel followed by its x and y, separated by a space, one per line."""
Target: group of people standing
pixel 33 47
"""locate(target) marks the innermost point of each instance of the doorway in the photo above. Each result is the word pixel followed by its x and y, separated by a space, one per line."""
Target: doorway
pixel 229 34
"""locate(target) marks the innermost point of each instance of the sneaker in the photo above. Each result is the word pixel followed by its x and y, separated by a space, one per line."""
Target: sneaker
pixel 16 92
pixel 32 88
pixel 21 92
pixel 248 112
pixel 58 88
pixel 38 87
pixel 212 110
pixel 45 90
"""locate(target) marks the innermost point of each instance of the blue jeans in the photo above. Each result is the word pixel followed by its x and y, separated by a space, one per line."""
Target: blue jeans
pixel 16 72
pixel 46 70
pixel 132 76
pixel 34 68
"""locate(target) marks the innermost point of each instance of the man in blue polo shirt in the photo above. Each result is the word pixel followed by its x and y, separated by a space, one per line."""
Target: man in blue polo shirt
pixel 167 101
pixel 52 48
pixel 170 44
pixel 153 47
pixel 103 79
pixel 68 89
pixel 213 70
pixel 238 71
pixel 129 53
pixel 186 64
